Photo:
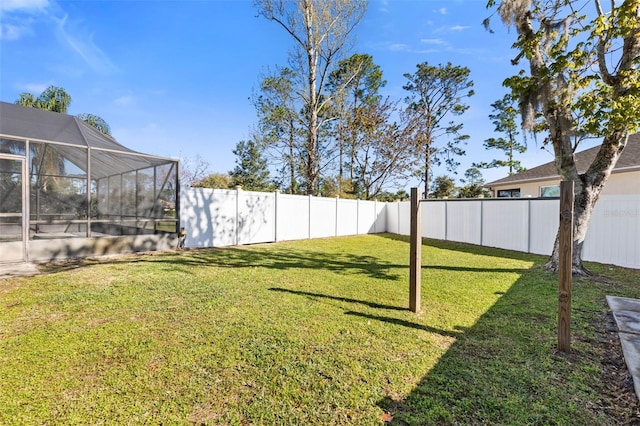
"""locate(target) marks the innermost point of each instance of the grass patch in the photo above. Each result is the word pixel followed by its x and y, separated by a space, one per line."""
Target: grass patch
pixel 308 332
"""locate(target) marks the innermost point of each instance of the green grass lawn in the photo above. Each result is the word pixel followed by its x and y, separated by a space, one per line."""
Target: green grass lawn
pixel 308 332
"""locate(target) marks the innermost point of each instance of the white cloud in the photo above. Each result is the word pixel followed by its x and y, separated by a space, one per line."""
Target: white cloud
pixel 396 47
pixel 13 31
pixel 437 41
pixel 36 88
pixel 459 27
pixel 124 100
pixel 75 38
pixel 28 6
pixel 442 10
pixel 18 17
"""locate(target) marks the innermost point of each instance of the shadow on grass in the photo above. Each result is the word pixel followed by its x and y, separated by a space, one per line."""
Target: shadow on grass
pixel 389 320
pixel 283 258
pixel 274 257
pixel 502 370
pixel 408 324
pixel 505 369
pixel 339 299
pixel 463 247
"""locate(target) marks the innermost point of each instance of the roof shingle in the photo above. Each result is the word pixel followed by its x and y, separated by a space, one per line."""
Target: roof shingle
pixel 629 159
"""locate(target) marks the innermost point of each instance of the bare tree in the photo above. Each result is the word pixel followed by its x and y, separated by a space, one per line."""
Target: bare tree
pixel 582 81
pixel 193 170
pixel 321 30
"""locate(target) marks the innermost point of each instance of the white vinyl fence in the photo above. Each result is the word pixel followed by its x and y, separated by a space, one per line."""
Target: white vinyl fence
pixel 528 225
pixel 218 217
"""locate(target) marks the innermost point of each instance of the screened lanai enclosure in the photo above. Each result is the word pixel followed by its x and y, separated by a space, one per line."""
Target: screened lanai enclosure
pixel 67 190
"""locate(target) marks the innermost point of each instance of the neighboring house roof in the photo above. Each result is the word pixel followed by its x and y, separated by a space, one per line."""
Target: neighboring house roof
pixel 629 160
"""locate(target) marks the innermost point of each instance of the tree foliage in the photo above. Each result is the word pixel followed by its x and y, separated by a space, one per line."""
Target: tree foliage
pixel 251 171
pixel 53 98
pixel 56 99
pixel 354 85
pixel 280 125
pixel 582 82
pixel 321 31
pixel 369 142
pixel 436 94
pixel 443 187
pixel 473 184
pixel 215 181
pixel 504 119
pixel 96 122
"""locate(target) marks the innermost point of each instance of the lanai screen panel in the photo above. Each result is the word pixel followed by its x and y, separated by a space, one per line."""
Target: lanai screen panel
pixel 58 186
pixel 83 183
pixel 11 191
pixel 140 199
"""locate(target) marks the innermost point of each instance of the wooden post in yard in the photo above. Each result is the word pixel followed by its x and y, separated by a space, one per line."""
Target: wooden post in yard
pixel 565 261
pixel 415 254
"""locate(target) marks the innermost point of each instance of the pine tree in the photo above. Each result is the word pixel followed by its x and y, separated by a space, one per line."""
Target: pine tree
pixel 251 171
pixel 504 120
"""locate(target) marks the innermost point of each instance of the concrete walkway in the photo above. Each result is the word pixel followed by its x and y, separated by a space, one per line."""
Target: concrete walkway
pixel 627 315
pixel 21 269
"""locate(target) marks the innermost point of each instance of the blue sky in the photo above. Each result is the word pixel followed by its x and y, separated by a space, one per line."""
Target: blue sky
pixel 174 78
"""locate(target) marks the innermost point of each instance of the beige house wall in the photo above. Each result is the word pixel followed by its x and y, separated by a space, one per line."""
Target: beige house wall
pixel 619 183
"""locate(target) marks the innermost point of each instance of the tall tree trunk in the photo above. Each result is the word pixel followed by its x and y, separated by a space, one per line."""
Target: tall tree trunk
pixel 293 186
pixel 312 134
pixel 554 98
pixel 588 188
pixel 427 164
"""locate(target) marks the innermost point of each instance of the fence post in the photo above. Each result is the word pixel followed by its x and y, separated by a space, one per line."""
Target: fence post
pixel 238 189
pixel 275 215
pixel 375 216
pixel 529 226
pixel 337 216
pixel 565 261
pixel 358 216
pixel 309 216
pixel 415 255
pixel 446 220
pixel 481 223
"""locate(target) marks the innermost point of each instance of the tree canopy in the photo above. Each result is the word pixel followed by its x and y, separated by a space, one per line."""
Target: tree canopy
pixel 504 118
pixel 57 99
pixel 436 94
pixel 582 82
pixel 321 31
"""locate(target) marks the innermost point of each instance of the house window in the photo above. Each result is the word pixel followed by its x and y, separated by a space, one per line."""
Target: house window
pixel 550 191
pixel 509 193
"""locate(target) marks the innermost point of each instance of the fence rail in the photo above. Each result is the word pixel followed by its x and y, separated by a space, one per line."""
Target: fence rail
pixel 218 218
pixel 528 225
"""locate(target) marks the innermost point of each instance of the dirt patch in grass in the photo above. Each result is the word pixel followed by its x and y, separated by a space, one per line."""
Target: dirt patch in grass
pixel 617 385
